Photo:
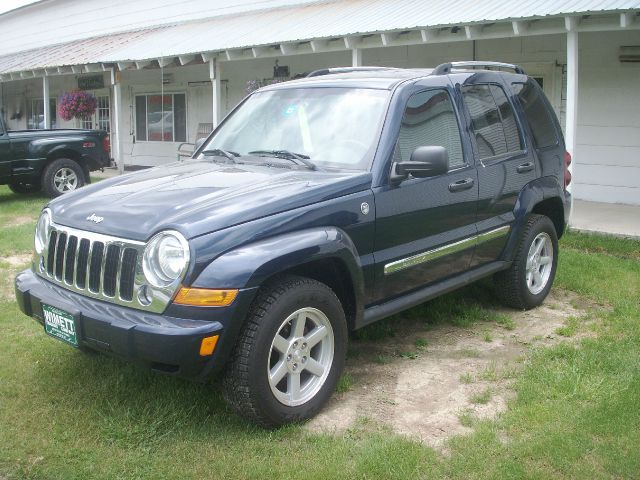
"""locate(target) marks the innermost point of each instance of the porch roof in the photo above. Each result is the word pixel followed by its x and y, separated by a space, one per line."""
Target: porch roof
pixel 320 26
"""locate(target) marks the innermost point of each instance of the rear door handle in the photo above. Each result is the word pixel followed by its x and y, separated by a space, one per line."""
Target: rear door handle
pixel 460 185
pixel 525 167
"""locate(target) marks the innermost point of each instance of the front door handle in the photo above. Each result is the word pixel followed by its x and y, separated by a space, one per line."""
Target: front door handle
pixel 460 185
pixel 525 167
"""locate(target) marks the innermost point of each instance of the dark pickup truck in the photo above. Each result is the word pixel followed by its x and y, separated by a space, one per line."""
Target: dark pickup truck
pixel 54 161
pixel 317 207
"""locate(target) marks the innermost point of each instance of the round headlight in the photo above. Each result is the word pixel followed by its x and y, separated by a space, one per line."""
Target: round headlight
pixel 42 230
pixel 165 258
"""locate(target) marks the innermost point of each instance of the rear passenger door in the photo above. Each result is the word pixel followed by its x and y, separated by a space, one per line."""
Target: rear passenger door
pixel 503 162
pixel 425 226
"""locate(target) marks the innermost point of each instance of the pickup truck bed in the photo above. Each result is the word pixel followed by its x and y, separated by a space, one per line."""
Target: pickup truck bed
pixel 54 161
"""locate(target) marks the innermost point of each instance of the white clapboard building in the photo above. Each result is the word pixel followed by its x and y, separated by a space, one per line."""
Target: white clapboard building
pixel 165 71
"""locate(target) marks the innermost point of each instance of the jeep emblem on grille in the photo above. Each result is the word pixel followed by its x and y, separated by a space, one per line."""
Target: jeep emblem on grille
pixel 95 218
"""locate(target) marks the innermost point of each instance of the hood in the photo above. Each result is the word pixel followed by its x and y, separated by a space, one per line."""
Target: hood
pixel 197 197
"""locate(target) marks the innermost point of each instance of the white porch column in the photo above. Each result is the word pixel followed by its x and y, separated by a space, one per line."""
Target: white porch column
pixel 571 118
pixel 115 132
pixel 45 101
pixel 356 57
pixel 214 75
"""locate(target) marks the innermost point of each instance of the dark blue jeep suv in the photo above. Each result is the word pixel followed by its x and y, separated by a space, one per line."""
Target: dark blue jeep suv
pixel 317 207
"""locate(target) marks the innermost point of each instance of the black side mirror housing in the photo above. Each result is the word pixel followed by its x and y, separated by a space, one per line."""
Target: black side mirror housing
pixel 427 161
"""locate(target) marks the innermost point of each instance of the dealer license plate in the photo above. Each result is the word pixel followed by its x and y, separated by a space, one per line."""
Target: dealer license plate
pixel 60 324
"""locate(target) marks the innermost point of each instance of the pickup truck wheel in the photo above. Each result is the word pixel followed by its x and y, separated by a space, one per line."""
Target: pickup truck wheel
pixel 24 187
pixel 289 355
pixel 528 281
pixel 61 176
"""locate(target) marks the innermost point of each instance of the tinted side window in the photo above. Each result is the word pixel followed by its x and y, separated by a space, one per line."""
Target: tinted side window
pixel 537 114
pixel 429 119
pixel 493 122
pixel 509 125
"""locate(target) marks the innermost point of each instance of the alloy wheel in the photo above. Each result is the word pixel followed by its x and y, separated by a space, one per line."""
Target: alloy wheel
pixel 300 356
pixel 539 263
pixel 65 180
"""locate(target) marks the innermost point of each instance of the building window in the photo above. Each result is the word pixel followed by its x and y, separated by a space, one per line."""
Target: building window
pixel 35 121
pixel 161 118
pixel 101 118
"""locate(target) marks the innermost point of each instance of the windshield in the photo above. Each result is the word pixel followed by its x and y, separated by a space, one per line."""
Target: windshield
pixel 332 127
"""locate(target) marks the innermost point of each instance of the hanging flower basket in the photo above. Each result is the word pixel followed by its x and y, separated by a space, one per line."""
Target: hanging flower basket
pixel 77 104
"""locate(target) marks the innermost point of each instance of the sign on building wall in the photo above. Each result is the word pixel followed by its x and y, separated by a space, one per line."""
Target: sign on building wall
pixel 91 82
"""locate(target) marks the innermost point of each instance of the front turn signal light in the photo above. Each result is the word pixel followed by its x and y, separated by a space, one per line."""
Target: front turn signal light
pixel 205 297
pixel 208 345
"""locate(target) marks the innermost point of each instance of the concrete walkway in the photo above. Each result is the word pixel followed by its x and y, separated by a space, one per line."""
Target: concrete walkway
pixel 612 218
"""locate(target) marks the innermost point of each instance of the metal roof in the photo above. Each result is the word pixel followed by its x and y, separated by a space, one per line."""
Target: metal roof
pixel 317 20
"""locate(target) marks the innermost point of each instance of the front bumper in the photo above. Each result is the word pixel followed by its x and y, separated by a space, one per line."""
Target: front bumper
pixel 163 342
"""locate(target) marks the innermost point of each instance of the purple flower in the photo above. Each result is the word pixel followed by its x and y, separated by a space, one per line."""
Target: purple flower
pixel 76 104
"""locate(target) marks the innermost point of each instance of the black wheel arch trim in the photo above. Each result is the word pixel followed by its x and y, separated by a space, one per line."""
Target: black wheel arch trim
pixel 253 264
pixel 533 194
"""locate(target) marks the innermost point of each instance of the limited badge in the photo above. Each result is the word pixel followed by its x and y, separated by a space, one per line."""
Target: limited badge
pixel 364 208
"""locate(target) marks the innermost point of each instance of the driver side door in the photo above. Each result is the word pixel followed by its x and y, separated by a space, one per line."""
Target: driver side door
pixel 425 226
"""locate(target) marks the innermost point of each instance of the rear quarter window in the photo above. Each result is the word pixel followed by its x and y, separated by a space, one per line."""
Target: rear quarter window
pixel 492 119
pixel 536 113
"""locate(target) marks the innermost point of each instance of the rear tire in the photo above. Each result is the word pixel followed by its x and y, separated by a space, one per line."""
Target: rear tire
pixel 62 176
pixel 289 355
pixel 24 187
pixel 528 281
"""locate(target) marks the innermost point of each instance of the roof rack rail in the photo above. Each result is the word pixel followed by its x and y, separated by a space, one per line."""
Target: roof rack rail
pixel 333 70
pixel 446 68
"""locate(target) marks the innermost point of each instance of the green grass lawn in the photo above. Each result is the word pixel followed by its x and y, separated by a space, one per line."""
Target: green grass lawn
pixel 65 414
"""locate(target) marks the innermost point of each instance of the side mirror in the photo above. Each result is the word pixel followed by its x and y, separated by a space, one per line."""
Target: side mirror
pixel 428 161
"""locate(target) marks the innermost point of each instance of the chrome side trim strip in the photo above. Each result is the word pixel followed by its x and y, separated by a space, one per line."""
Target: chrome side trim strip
pixel 445 250
pixel 492 234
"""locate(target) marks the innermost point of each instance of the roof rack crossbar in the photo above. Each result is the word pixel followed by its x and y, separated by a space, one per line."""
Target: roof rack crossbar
pixel 446 68
pixel 330 71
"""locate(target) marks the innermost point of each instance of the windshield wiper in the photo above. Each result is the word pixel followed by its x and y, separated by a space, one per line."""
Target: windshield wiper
pixel 218 152
pixel 297 158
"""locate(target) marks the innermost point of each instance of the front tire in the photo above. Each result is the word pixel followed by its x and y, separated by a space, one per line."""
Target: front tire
pixel 290 353
pixel 62 176
pixel 528 281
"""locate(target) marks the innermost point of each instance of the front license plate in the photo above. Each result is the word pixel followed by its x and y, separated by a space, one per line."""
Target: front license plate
pixel 60 324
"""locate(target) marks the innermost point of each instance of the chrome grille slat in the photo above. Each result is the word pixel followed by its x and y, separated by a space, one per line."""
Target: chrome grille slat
pixel 82 260
pixel 51 247
pixel 121 266
pixel 110 269
pixel 94 264
pixel 102 266
pixel 70 259
pixel 61 246
pixel 127 273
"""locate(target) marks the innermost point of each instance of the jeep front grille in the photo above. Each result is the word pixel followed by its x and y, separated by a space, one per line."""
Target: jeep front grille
pixel 95 265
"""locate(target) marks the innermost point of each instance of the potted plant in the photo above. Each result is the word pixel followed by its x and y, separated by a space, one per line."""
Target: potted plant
pixel 77 104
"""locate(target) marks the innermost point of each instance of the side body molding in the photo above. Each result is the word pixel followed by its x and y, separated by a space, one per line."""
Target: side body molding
pixel 252 264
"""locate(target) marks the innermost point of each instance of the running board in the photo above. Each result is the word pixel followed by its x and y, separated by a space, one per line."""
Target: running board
pixel 378 312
